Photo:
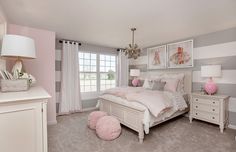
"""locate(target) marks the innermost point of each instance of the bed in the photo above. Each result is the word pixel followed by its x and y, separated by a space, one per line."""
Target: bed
pixel 139 117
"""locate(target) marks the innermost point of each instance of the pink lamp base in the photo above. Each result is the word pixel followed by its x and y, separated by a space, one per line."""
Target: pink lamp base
pixel 135 82
pixel 210 87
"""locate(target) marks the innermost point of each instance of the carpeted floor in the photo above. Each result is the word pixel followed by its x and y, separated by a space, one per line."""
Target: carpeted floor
pixel 178 135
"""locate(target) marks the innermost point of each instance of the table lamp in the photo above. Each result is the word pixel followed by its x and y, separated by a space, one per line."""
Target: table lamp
pixel 210 71
pixel 135 73
pixel 19 47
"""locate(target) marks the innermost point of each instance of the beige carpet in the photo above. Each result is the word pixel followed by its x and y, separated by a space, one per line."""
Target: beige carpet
pixel 72 135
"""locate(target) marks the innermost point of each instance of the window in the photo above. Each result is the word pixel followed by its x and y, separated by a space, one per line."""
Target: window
pixel 107 72
pixel 88 72
pixel 97 72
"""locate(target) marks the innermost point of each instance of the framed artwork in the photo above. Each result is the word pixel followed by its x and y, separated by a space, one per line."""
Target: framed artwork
pixel 180 54
pixel 157 57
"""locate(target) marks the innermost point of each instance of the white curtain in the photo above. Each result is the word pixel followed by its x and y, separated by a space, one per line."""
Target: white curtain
pixel 123 69
pixel 70 88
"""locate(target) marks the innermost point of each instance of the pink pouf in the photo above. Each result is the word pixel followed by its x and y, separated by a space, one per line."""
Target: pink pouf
pixel 108 128
pixel 94 117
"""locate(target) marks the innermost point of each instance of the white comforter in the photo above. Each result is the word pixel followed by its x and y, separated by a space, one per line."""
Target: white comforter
pixel 155 103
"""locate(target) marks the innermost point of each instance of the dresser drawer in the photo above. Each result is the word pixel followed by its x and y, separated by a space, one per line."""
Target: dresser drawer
pixel 206 101
pixel 205 107
pixel 214 118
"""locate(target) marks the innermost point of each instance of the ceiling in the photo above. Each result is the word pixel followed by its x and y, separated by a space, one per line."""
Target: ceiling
pixel 108 22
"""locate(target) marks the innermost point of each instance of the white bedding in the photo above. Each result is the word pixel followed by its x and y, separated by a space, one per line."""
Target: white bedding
pixel 177 101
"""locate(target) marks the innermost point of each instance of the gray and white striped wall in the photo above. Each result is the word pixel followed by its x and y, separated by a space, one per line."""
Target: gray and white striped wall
pixel 213 48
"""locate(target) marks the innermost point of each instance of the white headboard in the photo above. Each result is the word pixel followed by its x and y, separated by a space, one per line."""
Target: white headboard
pixel 187 76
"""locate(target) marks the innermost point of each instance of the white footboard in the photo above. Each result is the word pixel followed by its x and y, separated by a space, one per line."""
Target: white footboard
pixel 128 116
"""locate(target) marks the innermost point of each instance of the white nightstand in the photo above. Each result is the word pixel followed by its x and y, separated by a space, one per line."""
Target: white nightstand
pixel 209 108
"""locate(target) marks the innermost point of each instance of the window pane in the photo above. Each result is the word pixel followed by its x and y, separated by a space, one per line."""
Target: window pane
pixel 81 55
pixel 81 88
pixel 81 62
pixel 87 89
pixel 113 64
pixel 87 82
pixel 102 57
pixel 93 82
pixel 108 57
pixel 87 68
pixel 93 88
pixel 94 56
pixel 103 82
pixel 102 69
pixel 93 68
pixel 108 63
pixel 113 58
pixel 93 62
pixel 86 62
pixel 87 56
pixel 82 82
pixel 81 68
pixel 102 63
pixel 113 69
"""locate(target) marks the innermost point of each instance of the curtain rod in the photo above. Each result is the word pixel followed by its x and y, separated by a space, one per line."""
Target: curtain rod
pixel 61 41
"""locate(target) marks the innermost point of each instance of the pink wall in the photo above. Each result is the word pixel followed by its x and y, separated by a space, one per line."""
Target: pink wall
pixel 43 67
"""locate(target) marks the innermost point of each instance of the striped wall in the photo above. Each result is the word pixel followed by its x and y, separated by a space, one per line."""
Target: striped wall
pixel 89 100
pixel 213 48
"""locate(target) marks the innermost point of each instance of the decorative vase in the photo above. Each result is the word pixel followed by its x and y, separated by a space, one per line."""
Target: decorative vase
pixel 210 87
pixel 135 82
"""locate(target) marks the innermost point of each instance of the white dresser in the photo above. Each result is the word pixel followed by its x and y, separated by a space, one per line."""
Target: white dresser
pixel 23 121
pixel 210 108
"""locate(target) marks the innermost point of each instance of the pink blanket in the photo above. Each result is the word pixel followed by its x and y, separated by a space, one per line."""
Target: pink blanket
pixel 156 101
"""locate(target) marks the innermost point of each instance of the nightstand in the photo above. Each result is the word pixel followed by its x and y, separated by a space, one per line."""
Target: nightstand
pixel 209 108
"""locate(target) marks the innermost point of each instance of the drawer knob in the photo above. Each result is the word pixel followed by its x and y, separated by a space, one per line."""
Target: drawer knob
pixel 196 113
pixel 213 109
pixel 213 117
pixel 196 106
pixel 196 99
pixel 214 102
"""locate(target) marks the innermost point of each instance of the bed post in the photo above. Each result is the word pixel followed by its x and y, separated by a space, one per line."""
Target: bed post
pixel 141 133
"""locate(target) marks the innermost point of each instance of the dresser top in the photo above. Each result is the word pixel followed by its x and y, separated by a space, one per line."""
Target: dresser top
pixel 32 94
pixel 210 96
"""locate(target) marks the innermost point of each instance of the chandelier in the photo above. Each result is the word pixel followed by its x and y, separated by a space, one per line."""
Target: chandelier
pixel 132 50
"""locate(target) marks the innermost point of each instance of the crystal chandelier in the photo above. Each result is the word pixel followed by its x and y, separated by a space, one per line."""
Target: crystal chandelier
pixel 132 51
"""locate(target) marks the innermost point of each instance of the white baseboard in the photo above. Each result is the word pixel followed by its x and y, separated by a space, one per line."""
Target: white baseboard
pixel 54 122
pixel 232 126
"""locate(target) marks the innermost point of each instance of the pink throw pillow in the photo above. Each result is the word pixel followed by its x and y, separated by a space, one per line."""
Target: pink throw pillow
pixel 108 128
pixel 171 84
pixel 93 118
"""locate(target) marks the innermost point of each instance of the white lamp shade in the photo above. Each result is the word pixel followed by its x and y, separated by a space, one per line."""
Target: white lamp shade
pixel 18 46
pixel 211 71
pixel 134 72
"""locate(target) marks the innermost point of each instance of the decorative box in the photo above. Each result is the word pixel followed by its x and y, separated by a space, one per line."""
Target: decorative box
pixel 14 85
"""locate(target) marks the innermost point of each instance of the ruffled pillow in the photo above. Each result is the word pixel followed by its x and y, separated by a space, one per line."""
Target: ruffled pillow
pixel 171 84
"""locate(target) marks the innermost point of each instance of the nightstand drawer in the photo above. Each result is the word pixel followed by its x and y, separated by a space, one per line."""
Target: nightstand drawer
pixel 214 118
pixel 206 101
pixel 206 108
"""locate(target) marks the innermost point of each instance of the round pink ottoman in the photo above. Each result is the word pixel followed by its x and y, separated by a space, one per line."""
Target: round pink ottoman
pixel 108 128
pixel 93 118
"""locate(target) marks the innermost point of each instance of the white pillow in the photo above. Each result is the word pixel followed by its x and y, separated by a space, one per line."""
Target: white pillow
pixel 179 76
pixel 146 84
pixel 171 84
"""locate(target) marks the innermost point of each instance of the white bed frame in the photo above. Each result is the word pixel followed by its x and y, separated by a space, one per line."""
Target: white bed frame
pixel 132 117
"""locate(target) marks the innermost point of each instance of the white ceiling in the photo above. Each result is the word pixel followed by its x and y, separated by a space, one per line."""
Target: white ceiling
pixel 107 22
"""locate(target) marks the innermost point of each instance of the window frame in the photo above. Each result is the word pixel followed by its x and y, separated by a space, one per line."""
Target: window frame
pixel 98 72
